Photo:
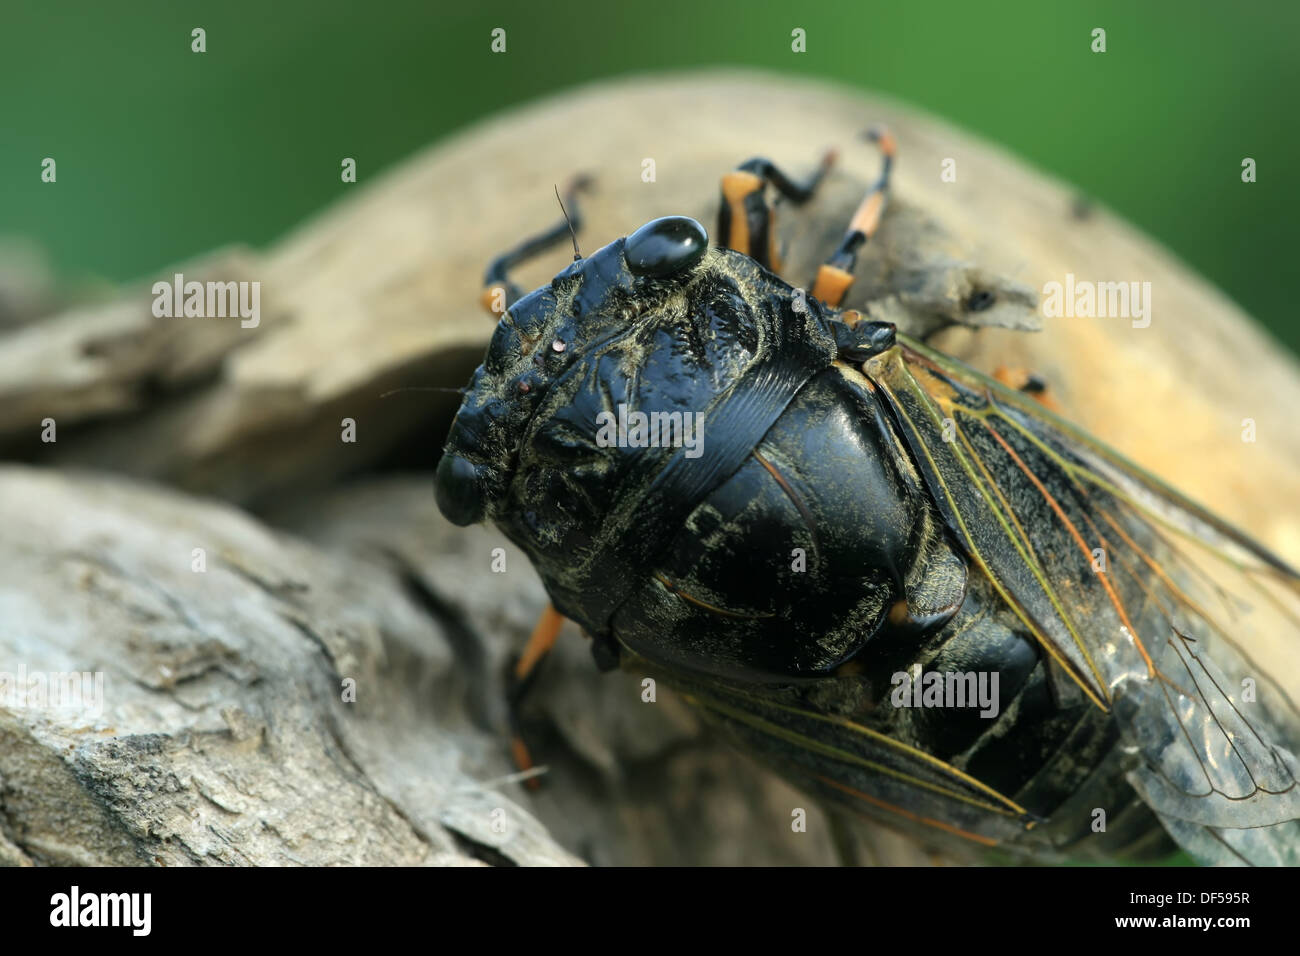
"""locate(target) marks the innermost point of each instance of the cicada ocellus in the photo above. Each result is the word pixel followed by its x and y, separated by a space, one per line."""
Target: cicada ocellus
pixel 800 517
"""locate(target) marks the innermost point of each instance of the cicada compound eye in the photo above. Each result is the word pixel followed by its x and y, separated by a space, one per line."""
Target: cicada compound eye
pixel 665 247
pixel 458 491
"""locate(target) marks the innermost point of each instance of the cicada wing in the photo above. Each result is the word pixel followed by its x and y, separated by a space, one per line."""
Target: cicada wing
pixel 1276 845
pixel 1152 605
pixel 855 764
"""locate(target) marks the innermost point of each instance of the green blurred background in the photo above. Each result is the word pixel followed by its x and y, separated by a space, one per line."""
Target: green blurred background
pixel 163 153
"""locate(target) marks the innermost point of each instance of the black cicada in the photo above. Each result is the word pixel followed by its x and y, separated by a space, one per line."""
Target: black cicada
pixel 906 586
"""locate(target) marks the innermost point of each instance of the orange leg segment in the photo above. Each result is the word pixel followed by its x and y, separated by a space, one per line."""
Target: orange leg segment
pixel 746 221
pixel 540 643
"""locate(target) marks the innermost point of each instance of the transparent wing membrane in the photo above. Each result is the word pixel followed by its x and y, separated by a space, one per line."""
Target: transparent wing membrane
pixel 1154 607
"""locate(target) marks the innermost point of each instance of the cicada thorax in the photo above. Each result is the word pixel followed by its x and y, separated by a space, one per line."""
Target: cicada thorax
pixel 639 425
pixel 817 544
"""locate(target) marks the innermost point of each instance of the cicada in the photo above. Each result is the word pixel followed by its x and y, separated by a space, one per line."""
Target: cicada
pixel 910 588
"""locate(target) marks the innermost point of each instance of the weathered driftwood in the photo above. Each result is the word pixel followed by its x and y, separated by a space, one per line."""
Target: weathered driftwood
pixel 224 736
pixel 220 731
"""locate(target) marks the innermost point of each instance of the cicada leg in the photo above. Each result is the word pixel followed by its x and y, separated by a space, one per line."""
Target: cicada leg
pixel 746 220
pixel 523 671
pixel 499 293
pixel 836 274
